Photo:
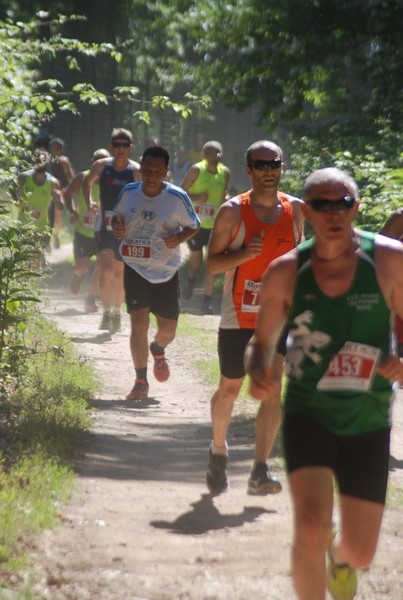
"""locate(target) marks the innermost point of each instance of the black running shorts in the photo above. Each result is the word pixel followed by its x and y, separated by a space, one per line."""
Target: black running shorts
pixel 161 298
pixel 360 462
pixel 83 246
pixel 106 240
pixel 200 239
pixel 231 349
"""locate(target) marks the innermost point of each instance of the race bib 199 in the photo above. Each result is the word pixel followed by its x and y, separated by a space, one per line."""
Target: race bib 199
pixel 352 368
pixel 136 251
pixel 250 296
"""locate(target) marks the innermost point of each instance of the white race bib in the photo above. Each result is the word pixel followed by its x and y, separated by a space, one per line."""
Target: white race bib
pixel 108 216
pixel 89 221
pixel 205 210
pixel 250 296
pixel 352 368
pixel 136 251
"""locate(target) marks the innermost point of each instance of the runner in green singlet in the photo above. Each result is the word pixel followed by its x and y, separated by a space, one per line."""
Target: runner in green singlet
pixel 337 294
pixel 84 244
pixel 36 189
pixel 207 185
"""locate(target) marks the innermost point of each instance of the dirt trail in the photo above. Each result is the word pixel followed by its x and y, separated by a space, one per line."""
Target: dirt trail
pixel 141 525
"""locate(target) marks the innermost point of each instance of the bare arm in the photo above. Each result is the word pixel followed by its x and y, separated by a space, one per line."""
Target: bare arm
pixel 67 168
pixel 95 171
pixel 219 259
pixel 393 227
pixel 275 302
pixel 389 271
pixel 69 196
pixel 226 190
pixel 57 195
pixel 173 240
pixel 296 204
pixel 187 181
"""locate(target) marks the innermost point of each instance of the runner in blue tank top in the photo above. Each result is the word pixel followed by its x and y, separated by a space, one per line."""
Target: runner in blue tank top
pixel 337 293
pixel 112 174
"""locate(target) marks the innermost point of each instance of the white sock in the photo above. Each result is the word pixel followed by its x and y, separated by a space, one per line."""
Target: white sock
pixel 219 450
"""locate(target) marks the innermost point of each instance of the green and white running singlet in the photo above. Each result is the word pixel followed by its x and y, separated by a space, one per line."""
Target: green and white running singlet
pixel 334 345
pixel 212 183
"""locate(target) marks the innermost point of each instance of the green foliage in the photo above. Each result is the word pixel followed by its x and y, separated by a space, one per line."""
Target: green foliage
pixel 375 167
pixel 312 64
pixel 43 420
pixel 29 493
pixel 47 407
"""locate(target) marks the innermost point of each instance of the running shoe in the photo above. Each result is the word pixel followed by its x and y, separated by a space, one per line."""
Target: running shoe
pixel 187 291
pixel 216 476
pixel 342 579
pixel 139 391
pixel 116 322
pixel 106 322
pixel 89 304
pixel 261 482
pixel 161 367
pixel 75 285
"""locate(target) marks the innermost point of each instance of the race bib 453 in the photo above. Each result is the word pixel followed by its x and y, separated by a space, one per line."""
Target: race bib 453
pixel 352 368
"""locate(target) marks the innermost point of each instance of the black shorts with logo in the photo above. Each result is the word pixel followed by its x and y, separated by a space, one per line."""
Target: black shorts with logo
pixel 161 298
pixel 84 246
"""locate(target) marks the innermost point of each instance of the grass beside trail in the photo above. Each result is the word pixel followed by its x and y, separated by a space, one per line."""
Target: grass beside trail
pixel 44 419
pixel 208 364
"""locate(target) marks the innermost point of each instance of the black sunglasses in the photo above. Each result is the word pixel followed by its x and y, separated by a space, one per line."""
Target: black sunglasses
pixel 121 144
pixel 325 205
pixel 261 165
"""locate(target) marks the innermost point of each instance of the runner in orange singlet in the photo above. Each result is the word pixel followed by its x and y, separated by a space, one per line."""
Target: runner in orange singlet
pixel 250 230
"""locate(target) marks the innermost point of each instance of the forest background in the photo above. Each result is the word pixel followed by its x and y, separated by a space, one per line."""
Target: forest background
pixel 320 77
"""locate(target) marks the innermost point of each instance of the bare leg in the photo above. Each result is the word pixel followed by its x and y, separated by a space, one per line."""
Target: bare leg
pixel 166 329
pixel 94 282
pixel 312 494
pixel 269 417
pixel 360 526
pixel 222 402
pixel 195 263
pixel 107 260
pixel 118 289
pixel 140 321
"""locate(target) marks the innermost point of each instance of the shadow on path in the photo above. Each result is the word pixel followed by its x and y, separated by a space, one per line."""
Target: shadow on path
pixel 205 517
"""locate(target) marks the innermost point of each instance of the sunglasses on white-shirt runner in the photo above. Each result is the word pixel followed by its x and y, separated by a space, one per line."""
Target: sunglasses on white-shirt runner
pixel 326 205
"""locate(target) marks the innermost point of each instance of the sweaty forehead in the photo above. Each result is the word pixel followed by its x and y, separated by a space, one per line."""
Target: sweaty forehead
pixel 265 153
pixel 152 162
pixel 329 189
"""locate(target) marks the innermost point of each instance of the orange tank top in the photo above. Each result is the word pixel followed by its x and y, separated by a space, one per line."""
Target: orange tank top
pixel 279 238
